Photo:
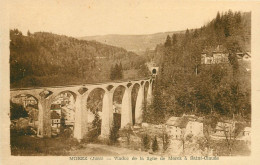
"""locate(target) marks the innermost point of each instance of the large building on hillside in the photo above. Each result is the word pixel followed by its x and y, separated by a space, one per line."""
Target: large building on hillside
pixel 215 56
pixel 219 56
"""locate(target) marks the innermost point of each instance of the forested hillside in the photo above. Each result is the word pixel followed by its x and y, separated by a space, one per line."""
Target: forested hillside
pixel 44 59
pixel 186 86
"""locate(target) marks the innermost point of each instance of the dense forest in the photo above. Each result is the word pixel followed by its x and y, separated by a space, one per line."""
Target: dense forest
pixel 46 59
pixel 184 85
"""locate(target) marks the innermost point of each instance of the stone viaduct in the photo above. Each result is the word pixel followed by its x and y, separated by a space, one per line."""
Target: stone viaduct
pixel 46 95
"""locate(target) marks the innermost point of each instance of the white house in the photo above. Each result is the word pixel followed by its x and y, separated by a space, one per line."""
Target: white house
pixel 246 134
pixel 173 129
pixel 195 128
pixel 179 127
pixel 55 119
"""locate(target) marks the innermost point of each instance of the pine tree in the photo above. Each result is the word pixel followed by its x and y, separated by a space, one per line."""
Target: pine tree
pixel 158 105
pixel 114 135
pixel 174 39
pixel 28 33
pixel 120 68
pixel 116 72
pixel 146 142
pixel 168 41
pixel 112 73
pixel 166 141
pixel 155 145
pixel 96 123
pixel 17 111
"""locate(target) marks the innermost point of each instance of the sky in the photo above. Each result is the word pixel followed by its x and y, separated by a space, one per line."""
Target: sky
pixel 78 18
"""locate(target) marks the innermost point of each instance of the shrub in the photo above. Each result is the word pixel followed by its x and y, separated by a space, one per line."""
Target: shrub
pixel 67 133
pixel 155 145
pixel 23 131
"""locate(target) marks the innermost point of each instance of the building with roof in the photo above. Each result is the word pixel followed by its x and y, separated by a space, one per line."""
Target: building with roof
pixel 246 134
pixel 55 119
pixel 224 129
pixel 195 128
pixel 216 56
pixel 179 127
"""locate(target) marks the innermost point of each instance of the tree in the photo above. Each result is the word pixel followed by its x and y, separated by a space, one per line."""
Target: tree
pixel 231 133
pixel 17 111
pixel 112 73
pixel 120 71
pixel 174 39
pixel 166 141
pixel 29 33
pixel 146 142
pixel 155 145
pixel 155 113
pixel 168 42
pixel 184 140
pixel 96 123
pixel 114 134
pixel 117 72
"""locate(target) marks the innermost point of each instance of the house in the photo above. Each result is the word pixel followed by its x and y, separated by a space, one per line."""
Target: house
pixel 55 119
pixel 224 129
pixel 206 58
pixel 215 56
pixel 179 127
pixel 195 128
pixel 246 134
pixel 176 127
pixel 56 108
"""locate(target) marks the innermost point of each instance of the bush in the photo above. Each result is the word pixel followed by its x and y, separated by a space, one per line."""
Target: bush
pixel 67 133
pixel 23 131
pixel 155 145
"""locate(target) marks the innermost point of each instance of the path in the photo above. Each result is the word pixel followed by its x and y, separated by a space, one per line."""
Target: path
pixel 106 150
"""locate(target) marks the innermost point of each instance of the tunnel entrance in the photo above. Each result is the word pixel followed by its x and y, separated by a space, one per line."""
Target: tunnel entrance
pixel 154 71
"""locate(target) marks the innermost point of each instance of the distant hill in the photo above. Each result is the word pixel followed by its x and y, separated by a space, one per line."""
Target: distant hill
pixel 135 43
pixel 46 59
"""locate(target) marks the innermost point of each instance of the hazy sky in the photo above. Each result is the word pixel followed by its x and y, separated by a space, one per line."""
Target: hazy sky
pixel 84 17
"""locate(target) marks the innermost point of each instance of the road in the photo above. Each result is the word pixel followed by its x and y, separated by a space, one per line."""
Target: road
pixel 106 150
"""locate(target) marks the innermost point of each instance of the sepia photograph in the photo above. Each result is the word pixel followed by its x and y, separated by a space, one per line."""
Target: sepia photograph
pixel 125 79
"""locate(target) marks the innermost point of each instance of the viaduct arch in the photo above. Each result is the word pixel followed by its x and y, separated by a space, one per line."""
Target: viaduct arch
pixel 46 95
